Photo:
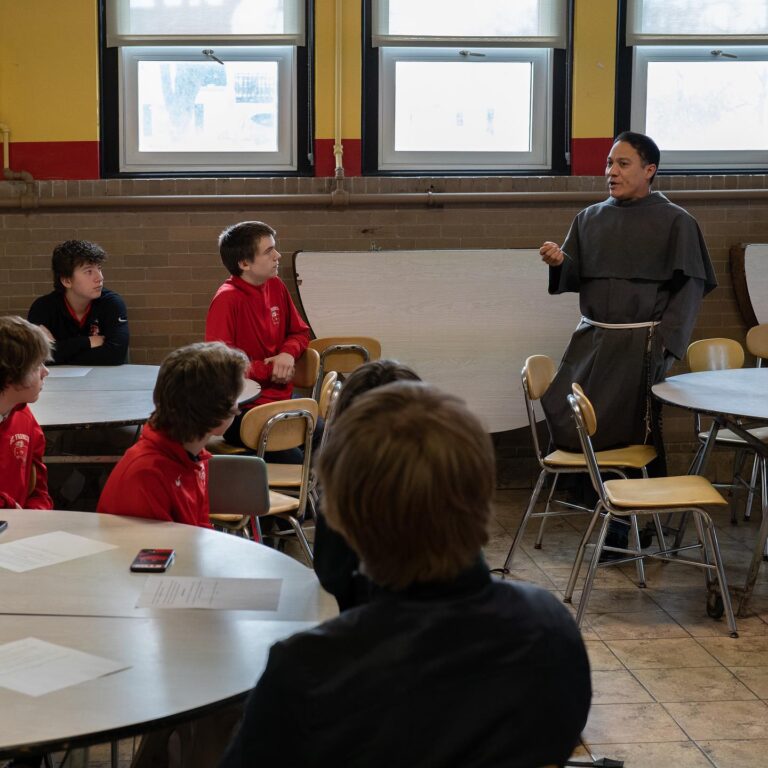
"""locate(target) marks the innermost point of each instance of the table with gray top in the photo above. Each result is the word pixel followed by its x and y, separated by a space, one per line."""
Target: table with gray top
pixel 181 663
pixel 733 398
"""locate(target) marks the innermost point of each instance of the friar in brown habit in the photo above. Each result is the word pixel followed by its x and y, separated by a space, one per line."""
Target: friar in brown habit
pixel 641 268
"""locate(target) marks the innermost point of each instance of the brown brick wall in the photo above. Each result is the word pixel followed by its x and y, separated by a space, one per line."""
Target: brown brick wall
pixel 165 263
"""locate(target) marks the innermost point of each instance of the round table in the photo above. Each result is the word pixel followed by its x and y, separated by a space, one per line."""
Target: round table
pixel 182 662
pixel 103 396
pixel 730 397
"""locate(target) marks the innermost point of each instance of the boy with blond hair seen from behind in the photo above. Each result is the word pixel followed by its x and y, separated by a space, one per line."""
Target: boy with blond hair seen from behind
pixel 24 348
pixel 444 666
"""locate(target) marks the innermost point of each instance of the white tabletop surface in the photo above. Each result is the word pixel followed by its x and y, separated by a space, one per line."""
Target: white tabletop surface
pixel 740 392
pixel 180 660
pixel 105 396
pixel 112 395
pixel 105 378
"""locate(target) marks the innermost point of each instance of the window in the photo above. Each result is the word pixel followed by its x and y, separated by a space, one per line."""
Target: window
pixel 699 81
pixel 459 91
pixel 206 85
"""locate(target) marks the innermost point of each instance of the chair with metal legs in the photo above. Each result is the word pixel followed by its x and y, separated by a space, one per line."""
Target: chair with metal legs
pixel 238 494
pixel 648 496
pixel 344 353
pixel 537 375
pixel 281 426
pixel 757 345
pixel 717 354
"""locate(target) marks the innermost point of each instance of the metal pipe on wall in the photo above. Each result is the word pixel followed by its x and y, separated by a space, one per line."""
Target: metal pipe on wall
pixel 331 199
pixel 338 146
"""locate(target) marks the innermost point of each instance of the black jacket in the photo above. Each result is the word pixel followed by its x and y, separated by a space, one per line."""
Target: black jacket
pixel 472 673
pixel 107 317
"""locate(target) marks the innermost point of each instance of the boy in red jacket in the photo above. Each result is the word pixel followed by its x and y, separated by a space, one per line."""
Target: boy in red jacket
pixel 253 311
pixel 164 475
pixel 24 348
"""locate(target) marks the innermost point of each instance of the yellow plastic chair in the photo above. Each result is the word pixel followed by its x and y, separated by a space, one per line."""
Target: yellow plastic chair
pixel 330 385
pixel 619 499
pixel 281 426
pixel 537 374
pixel 757 343
pixel 344 353
pixel 715 355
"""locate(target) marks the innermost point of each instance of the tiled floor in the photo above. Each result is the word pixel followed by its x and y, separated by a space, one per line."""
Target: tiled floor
pixel 671 688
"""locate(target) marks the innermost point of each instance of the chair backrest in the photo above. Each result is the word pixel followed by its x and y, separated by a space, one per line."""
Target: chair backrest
pixel 326 392
pixel 715 355
pixel 345 353
pixel 330 410
pixel 279 426
pixel 757 342
pixel 586 426
pixel 537 374
pixel 237 485
pixel 307 369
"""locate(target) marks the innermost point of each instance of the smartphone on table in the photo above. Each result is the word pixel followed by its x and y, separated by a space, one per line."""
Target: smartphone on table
pixel 152 560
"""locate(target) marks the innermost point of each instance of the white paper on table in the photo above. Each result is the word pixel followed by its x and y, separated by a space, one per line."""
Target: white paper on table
pixel 35 667
pixel 48 549
pixel 68 373
pixel 221 594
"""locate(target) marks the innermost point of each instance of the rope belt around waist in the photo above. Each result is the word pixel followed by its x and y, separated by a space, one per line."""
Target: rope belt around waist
pixel 619 326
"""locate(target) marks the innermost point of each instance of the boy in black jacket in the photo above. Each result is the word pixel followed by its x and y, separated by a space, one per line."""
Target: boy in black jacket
pixel 88 322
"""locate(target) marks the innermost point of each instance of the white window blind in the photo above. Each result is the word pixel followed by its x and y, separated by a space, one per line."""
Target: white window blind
pixel 180 22
pixel 522 23
pixel 659 22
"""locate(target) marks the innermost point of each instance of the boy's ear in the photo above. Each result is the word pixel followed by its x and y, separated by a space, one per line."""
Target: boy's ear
pixel 66 281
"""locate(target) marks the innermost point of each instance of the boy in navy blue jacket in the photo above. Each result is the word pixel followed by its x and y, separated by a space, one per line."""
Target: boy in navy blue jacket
pixel 88 323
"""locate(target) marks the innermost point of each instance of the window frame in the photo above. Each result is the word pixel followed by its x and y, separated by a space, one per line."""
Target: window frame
pixel 133 160
pixel 692 159
pixel 111 125
pixel 558 102
pixel 540 131
pixel 631 99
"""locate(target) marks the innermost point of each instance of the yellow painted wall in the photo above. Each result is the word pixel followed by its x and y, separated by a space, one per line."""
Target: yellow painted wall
pixel 351 89
pixel 594 67
pixel 49 69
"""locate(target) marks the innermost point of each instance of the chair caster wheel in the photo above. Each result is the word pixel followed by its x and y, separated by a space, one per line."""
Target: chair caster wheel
pixel 567 600
pixel 537 546
pixel 715 607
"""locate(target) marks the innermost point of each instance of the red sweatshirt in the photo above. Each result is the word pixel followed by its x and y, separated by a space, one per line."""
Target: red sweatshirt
pixel 157 479
pixel 263 322
pixel 21 447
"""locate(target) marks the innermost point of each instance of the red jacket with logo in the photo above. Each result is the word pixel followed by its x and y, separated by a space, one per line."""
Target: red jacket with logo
pixel 262 321
pixel 158 479
pixel 22 445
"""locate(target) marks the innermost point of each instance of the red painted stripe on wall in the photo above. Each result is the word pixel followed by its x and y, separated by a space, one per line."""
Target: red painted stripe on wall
pixel 325 162
pixel 56 159
pixel 588 156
